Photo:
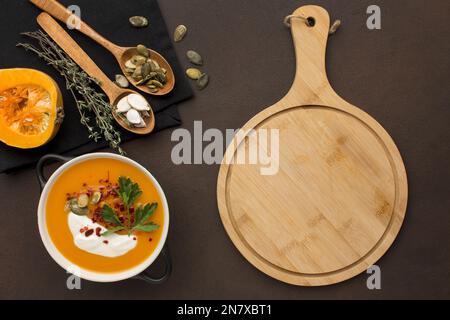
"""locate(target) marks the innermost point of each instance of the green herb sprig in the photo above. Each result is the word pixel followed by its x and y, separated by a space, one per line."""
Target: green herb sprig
pixel 94 109
pixel 129 192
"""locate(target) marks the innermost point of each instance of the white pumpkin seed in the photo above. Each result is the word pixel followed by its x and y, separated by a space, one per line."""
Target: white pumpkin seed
pixel 123 105
pixel 134 117
pixel 138 102
pixel 180 33
pixel 141 124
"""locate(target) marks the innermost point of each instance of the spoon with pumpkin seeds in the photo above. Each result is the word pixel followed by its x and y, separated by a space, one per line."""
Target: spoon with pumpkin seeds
pixel 130 109
pixel 124 56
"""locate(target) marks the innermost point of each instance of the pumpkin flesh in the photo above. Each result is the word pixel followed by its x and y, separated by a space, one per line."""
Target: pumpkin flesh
pixel 30 108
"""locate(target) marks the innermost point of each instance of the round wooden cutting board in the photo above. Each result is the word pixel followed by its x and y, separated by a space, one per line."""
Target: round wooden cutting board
pixel 339 196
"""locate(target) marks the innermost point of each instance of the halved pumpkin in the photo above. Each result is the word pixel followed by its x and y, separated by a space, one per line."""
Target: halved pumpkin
pixel 31 109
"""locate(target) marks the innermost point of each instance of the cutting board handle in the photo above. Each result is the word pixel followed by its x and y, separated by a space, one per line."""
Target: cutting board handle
pixel 310 42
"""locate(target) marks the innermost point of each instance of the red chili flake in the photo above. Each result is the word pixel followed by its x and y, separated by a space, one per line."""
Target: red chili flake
pixel 150 239
pixel 89 232
pixel 131 210
pixel 105 241
pixel 122 219
pixel 82 230
pixel 84 184
pixel 134 238
pixel 97 231
pixel 122 207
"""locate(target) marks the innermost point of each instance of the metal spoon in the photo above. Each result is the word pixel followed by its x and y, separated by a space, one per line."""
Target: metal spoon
pixel 122 54
pixel 114 93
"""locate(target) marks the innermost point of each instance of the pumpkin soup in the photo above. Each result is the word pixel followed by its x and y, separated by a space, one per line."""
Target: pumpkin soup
pixel 104 215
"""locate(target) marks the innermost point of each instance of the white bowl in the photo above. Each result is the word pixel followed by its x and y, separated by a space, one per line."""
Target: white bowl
pixel 68 265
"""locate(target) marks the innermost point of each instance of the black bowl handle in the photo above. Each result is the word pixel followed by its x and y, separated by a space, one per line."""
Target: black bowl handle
pixel 145 275
pixel 41 164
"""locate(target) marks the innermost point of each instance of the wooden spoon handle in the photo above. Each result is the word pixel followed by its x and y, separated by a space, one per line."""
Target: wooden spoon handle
pixel 65 41
pixel 58 11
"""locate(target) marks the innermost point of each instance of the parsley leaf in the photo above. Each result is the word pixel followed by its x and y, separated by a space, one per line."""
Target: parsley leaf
pixel 129 192
pixel 148 227
pixel 110 216
pixel 112 231
pixel 144 212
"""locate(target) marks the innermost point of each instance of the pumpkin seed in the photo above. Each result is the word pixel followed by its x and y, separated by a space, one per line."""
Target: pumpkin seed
pixel 156 83
pixel 134 117
pixel 96 197
pixel 130 65
pixel 139 21
pixel 154 90
pixel 154 65
pixel 146 69
pixel 180 33
pixel 151 86
pixel 161 76
pixel 137 75
pixel 193 73
pixel 164 70
pixel 194 57
pixel 142 81
pixel 142 50
pixel 122 81
pixel 203 81
pixel 138 60
pixel 83 200
pixel 73 206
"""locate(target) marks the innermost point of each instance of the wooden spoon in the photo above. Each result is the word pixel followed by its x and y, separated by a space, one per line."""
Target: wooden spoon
pixel 122 54
pixel 114 93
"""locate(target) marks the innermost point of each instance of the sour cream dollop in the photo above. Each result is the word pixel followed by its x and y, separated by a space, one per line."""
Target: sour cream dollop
pixel 114 245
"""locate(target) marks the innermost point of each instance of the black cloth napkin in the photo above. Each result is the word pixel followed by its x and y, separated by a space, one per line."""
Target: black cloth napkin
pixel 109 18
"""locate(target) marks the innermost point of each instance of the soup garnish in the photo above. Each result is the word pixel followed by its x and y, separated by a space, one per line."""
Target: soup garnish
pixel 104 218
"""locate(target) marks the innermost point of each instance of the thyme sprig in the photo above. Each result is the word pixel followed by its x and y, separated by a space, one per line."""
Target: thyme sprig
pixel 94 109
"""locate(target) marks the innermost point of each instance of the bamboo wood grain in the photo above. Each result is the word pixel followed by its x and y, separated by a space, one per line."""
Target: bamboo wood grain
pixel 340 196
pixel 73 50
pixel 122 54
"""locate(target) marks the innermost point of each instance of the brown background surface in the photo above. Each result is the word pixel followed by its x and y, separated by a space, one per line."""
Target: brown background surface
pixel 400 75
